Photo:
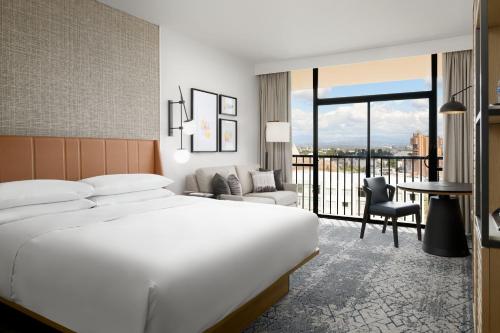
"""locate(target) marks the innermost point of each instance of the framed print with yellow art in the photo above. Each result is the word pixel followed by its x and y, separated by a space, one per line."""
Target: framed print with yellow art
pixel 204 114
pixel 228 135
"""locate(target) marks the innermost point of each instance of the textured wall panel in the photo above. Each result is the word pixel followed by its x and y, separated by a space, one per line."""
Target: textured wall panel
pixel 77 68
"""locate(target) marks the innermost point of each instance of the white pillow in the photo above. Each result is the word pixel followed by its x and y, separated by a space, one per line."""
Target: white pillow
pixel 40 191
pixel 104 200
pixel 126 183
pixel 18 213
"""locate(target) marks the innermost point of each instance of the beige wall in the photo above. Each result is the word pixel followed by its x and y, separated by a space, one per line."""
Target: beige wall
pixel 77 68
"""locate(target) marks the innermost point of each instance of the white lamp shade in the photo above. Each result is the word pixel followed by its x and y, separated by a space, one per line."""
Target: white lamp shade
pixel 182 156
pixel 277 131
pixel 189 127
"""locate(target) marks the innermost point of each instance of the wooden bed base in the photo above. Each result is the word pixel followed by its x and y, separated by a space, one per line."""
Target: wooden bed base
pixel 235 322
pixel 243 316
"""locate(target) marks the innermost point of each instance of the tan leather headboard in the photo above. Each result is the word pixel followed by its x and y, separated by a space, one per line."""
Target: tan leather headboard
pixel 27 157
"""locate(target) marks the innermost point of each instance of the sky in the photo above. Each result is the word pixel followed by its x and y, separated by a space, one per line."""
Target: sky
pixel 392 122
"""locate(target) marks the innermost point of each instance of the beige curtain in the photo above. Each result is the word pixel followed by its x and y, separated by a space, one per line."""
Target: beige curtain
pixel 457 74
pixel 274 96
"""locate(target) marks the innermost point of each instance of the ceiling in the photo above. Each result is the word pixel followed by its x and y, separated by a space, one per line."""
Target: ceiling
pixel 274 30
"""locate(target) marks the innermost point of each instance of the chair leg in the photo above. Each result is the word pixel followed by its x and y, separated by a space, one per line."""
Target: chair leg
pixel 385 224
pixel 419 226
pixel 395 231
pixel 366 219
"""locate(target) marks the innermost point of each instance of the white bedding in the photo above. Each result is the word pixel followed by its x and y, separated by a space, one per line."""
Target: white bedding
pixel 106 269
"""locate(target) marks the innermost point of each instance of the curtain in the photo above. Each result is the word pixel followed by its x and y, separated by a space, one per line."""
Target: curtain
pixel 458 129
pixel 274 98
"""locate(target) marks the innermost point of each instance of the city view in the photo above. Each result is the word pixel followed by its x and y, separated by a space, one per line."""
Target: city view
pixel 341 172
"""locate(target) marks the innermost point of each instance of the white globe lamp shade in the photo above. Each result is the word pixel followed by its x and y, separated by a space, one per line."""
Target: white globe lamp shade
pixel 189 127
pixel 182 156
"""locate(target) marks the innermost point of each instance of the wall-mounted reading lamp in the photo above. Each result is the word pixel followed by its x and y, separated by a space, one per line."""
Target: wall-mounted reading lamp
pixel 187 126
pixel 453 106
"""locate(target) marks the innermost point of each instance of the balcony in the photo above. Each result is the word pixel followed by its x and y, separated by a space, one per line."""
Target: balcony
pixel 341 180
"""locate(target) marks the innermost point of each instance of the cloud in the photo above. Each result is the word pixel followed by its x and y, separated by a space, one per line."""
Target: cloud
pixel 301 121
pixel 306 94
pixel 392 123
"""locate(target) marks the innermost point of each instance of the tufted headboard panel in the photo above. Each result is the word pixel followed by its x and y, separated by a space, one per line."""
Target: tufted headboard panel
pixel 28 157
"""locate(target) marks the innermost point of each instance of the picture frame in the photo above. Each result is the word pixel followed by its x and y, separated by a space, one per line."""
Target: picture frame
pixel 228 105
pixel 204 107
pixel 228 135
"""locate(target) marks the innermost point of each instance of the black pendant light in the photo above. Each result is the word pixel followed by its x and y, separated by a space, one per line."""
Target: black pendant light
pixel 454 106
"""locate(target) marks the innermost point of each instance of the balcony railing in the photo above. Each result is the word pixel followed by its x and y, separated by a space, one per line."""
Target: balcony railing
pixel 341 180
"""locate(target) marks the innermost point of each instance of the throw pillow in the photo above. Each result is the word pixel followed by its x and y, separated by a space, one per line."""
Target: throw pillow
pixel 234 185
pixel 277 179
pixel 220 185
pixel 263 181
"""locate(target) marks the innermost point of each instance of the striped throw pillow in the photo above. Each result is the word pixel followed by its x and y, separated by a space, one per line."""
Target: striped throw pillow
pixel 234 185
pixel 263 181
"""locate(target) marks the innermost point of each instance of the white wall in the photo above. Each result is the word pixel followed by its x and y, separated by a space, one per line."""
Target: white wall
pixel 191 64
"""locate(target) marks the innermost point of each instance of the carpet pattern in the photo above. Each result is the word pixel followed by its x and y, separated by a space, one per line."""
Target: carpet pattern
pixel 358 285
pixel 367 285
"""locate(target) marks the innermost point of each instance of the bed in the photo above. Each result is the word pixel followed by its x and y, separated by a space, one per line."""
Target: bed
pixel 207 265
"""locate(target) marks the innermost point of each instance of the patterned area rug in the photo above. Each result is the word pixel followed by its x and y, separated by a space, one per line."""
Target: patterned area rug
pixel 358 285
pixel 367 285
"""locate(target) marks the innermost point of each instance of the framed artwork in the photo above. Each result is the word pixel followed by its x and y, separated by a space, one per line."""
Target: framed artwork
pixel 228 135
pixel 204 115
pixel 228 105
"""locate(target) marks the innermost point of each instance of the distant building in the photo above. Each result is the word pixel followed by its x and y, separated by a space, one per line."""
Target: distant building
pixel 420 147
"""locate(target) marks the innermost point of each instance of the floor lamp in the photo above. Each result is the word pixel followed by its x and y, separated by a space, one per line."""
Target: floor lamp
pixel 276 131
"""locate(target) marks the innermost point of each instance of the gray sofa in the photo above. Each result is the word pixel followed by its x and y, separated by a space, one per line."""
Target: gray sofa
pixel 201 181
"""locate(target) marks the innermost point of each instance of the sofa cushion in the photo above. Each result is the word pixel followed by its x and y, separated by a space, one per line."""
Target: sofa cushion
pixel 204 176
pixel 243 173
pixel 284 198
pixel 258 200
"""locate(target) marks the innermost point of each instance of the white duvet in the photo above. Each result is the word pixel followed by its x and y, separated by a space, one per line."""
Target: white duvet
pixel 178 264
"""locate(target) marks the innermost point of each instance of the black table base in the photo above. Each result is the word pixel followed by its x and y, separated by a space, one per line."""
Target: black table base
pixel 444 232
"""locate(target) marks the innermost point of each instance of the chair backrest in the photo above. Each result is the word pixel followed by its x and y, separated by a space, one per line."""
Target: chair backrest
pixel 379 189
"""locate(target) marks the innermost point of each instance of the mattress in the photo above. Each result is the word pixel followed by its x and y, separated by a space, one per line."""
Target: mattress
pixel 177 264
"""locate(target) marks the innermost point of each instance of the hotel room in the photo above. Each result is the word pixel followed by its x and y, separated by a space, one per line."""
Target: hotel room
pixel 249 166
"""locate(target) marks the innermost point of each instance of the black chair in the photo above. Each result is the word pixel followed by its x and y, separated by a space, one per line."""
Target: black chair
pixel 379 201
